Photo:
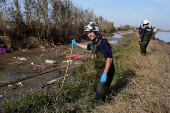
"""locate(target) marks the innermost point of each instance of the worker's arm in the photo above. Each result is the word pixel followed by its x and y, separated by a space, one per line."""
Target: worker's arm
pixel 84 46
pixel 108 64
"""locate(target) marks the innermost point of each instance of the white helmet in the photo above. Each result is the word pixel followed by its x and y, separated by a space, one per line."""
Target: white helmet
pixel 91 26
pixel 145 22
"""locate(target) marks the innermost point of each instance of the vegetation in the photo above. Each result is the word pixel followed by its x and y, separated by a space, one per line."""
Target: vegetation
pixel 50 20
pixel 125 28
pixel 140 85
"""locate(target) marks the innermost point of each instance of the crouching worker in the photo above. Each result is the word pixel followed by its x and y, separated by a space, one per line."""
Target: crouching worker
pixel 102 56
pixel 145 37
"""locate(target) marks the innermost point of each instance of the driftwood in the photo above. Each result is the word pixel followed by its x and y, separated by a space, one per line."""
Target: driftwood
pixel 51 81
pixel 30 76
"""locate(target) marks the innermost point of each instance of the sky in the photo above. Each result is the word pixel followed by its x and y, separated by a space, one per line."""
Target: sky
pixel 130 12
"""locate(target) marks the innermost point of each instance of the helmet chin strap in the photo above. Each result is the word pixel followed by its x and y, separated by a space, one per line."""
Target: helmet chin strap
pixel 94 39
pixel 97 35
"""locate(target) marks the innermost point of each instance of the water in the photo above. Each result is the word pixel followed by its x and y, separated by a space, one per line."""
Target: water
pixel 118 35
pixel 164 36
pixel 11 71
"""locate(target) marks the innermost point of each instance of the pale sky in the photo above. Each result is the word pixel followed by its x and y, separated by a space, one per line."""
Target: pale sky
pixel 130 12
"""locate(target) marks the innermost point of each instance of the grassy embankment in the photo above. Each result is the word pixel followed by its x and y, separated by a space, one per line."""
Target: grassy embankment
pixel 141 84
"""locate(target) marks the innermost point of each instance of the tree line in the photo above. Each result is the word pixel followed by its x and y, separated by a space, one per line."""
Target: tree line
pixel 54 20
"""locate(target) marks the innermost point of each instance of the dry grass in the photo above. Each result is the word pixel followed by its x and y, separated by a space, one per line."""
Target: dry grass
pixel 149 90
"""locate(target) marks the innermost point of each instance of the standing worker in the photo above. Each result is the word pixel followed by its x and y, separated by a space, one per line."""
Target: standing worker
pixel 154 32
pixel 145 37
pixel 103 60
pixel 140 30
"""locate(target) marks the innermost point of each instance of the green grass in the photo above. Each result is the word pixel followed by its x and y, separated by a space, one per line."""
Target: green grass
pixel 78 95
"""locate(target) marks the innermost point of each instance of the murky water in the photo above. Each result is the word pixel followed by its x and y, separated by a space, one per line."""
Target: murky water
pixel 36 63
pixel 37 59
pixel 11 68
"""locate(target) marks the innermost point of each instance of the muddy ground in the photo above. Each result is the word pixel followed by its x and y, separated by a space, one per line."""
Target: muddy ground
pixel 12 68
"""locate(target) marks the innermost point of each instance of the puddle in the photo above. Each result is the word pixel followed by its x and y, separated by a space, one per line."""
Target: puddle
pixel 11 68
pixel 118 35
pixel 37 61
pixel 38 58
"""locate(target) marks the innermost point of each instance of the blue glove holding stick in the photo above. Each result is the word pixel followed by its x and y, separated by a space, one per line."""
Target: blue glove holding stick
pixel 74 42
pixel 103 78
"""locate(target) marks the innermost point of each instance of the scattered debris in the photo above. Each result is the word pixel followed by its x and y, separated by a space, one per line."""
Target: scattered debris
pixel 32 63
pixel 2 50
pixel 67 61
pixel 23 58
pixel 59 43
pixel 75 56
pixel 42 47
pixel 50 61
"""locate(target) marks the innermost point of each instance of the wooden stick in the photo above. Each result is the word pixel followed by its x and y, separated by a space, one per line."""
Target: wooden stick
pixel 51 81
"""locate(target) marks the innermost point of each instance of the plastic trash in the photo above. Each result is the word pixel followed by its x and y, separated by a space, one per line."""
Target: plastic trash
pixel 50 61
pixel 32 63
pixel 71 61
pixel 2 50
pixel 55 52
pixel 23 58
pixel 42 47
pixel 1 95
pixel 67 61
pixel 63 53
pixel 64 61
pixel 59 43
pixel 20 83
pixel 23 50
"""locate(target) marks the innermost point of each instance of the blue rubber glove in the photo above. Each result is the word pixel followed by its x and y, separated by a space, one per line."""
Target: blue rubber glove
pixel 74 42
pixel 103 78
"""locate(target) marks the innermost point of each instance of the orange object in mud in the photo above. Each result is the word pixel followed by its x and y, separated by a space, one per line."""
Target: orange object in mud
pixel 74 55
pixel 59 43
pixel 67 56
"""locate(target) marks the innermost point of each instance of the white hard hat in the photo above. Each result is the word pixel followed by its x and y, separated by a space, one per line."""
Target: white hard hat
pixel 145 22
pixel 91 26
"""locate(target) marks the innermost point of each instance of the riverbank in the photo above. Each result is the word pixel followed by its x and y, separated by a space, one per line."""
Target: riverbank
pixel 141 84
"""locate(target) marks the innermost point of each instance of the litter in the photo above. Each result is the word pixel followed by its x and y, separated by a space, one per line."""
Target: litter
pixel 1 95
pixel 64 53
pixel 67 61
pixel 50 61
pixel 42 47
pixel 23 58
pixel 24 50
pixel 71 61
pixel 20 83
pixel 2 50
pixel 59 43
pixel 75 56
